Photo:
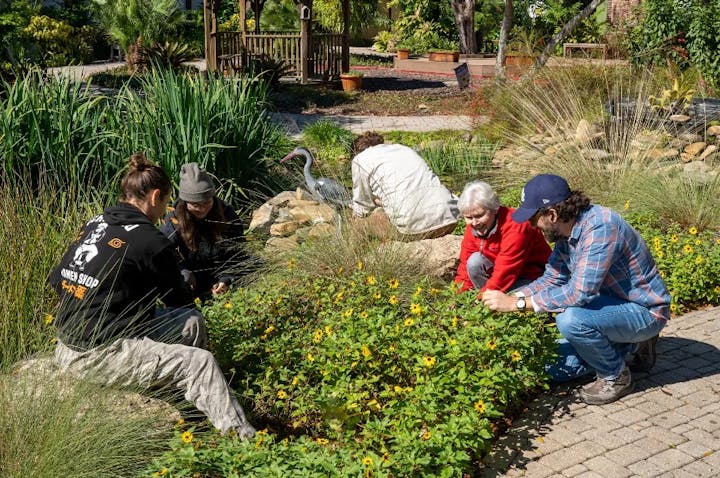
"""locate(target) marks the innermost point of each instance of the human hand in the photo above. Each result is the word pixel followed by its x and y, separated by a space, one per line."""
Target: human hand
pixel 219 288
pixel 499 301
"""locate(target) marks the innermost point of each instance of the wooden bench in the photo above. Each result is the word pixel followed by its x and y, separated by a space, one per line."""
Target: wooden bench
pixel 568 47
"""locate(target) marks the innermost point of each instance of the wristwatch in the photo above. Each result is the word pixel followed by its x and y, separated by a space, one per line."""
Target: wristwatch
pixel 520 304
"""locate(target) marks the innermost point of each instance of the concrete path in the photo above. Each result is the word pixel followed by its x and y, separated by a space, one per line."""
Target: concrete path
pixel 293 124
pixel 669 427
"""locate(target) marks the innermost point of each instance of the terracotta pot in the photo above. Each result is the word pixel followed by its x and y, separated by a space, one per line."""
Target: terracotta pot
pixel 403 54
pixel 350 82
pixel 449 56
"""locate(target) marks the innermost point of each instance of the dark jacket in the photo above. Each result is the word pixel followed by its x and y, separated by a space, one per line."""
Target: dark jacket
pixel 111 277
pixel 222 261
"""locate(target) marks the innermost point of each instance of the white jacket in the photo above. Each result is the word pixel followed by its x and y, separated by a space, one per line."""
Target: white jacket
pixel 410 193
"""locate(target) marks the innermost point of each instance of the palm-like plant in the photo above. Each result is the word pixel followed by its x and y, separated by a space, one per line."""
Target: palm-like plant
pixel 136 24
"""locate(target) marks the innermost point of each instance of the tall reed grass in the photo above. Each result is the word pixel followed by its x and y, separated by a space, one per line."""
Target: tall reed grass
pixel 77 136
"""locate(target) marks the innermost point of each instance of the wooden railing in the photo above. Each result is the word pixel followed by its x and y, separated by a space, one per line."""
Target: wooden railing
pixel 325 52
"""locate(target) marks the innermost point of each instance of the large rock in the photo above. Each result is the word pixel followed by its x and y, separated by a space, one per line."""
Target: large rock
pixel 313 213
pixel 707 152
pixel 262 218
pixel 436 257
pixel 694 149
pixel 714 130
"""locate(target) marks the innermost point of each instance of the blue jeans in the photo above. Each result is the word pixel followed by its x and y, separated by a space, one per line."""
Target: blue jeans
pixel 598 336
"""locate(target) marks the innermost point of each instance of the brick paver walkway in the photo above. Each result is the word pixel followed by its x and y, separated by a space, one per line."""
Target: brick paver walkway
pixel 669 427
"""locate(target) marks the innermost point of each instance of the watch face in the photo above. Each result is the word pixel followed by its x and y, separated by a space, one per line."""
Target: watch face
pixel 521 303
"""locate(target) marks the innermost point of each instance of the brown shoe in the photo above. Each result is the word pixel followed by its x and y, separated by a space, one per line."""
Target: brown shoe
pixel 603 391
pixel 645 356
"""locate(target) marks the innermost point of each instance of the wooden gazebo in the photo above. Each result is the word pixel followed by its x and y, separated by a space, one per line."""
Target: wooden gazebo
pixel 309 55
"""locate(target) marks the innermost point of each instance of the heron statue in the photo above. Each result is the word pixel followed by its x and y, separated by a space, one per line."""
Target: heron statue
pixel 322 189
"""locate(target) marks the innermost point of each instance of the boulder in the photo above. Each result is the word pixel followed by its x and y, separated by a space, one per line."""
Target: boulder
pixel 690 137
pixel 262 218
pixel 707 152
pixel 679 118
pixel 436 257
pixel 694 149
pixel 313 214
pixel 284 229
pixel 714 130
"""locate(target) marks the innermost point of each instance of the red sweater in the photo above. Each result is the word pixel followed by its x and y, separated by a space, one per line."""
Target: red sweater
pixel 518 251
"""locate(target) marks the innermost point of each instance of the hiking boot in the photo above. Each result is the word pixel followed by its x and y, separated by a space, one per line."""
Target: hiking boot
pixel 603 391
pixel 645 356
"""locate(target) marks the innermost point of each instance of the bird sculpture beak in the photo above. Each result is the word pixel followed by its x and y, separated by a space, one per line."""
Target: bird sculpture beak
pixel 291 155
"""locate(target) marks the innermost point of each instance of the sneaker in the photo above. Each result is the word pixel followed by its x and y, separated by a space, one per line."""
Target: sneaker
pixel 645 356
pixel 603 391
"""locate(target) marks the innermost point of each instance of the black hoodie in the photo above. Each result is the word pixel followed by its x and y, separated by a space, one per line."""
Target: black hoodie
pixel 111 277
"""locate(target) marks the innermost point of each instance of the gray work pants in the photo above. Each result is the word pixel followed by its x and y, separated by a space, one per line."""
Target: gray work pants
pixel 146 363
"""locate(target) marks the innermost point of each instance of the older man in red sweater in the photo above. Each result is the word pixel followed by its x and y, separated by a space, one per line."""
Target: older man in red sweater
pixel 496 253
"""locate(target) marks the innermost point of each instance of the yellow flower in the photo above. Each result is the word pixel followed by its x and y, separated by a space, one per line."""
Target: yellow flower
pixel 374 404
pixel 393 300
pixel 627 205
pixel 429 362
pixel 187 437
pixel 228 305
pixel 415 309
pixel 359 265
pixel 687 249
pixel 418 291
pixel 281 394
pixel 365 351
pixel 426 435
pixel 393 283
pixel 269 329
pixel 717 241
pixel 409 322
pixel 49 319
pixel 717 289
pixel 515 356
pixel 479 406
pixel 370 280
pixel 179 423
pixel 434 291
pixel 693 230
pixel 673 308
pixel 197 301
pixel 310 357
pixel 348 313
pixel 363 315
pixel 491 344
pixel 318 336
pixel 339 297
pixel 367 461
pixel 295 381
pixel 291 264
pixel 660 254
pixel 698 242
pixel 454 320
pixel 377 295
pixel 322 441
pixel 699 260
pixel 386 457
pixel 452 342
pixel 398 389
pixel 392 347
pixel 673 238
pixel 162 472
pixel 328 330
pixel 340 269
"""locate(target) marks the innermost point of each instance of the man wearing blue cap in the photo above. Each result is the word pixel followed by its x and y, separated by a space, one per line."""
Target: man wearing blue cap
pixel 602 282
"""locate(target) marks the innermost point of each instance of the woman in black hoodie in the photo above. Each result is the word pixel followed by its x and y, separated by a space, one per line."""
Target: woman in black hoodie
pixel 109 282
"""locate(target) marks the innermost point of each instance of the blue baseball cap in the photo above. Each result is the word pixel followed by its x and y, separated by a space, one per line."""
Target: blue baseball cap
pixel 541 191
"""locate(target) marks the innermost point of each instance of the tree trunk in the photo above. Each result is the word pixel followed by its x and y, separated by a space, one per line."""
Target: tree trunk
pixel 257 7
pixel 465 20
pixel 564 32
pixel 503 40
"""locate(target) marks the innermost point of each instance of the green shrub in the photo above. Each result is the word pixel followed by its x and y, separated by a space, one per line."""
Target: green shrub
pixel 406 373
pixel 688 260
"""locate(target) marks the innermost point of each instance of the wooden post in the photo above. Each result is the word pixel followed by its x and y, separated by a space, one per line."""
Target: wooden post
pixel 304 48
pixel 345 50
pixel 211 7
pixel 243 19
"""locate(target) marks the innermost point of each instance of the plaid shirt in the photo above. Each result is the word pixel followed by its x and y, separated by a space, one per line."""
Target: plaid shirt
pixel 604 256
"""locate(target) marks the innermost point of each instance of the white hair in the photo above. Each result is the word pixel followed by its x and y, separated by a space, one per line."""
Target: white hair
pixel 478 194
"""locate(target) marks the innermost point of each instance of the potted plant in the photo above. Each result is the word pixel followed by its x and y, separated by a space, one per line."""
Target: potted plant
pixel 444 55
pixel 524 47
pixel 352 80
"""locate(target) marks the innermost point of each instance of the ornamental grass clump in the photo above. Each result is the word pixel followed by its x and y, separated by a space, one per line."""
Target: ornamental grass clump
pixel 408 375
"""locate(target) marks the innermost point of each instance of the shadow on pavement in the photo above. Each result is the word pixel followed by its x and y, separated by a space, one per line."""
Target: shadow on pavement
pixel 399 84
pixel 679 360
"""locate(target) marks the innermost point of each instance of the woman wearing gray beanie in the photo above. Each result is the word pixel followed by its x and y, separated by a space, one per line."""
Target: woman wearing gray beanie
pixel 206 233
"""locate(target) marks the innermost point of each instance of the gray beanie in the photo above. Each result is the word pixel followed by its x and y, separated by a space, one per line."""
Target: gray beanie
pixel 195 184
